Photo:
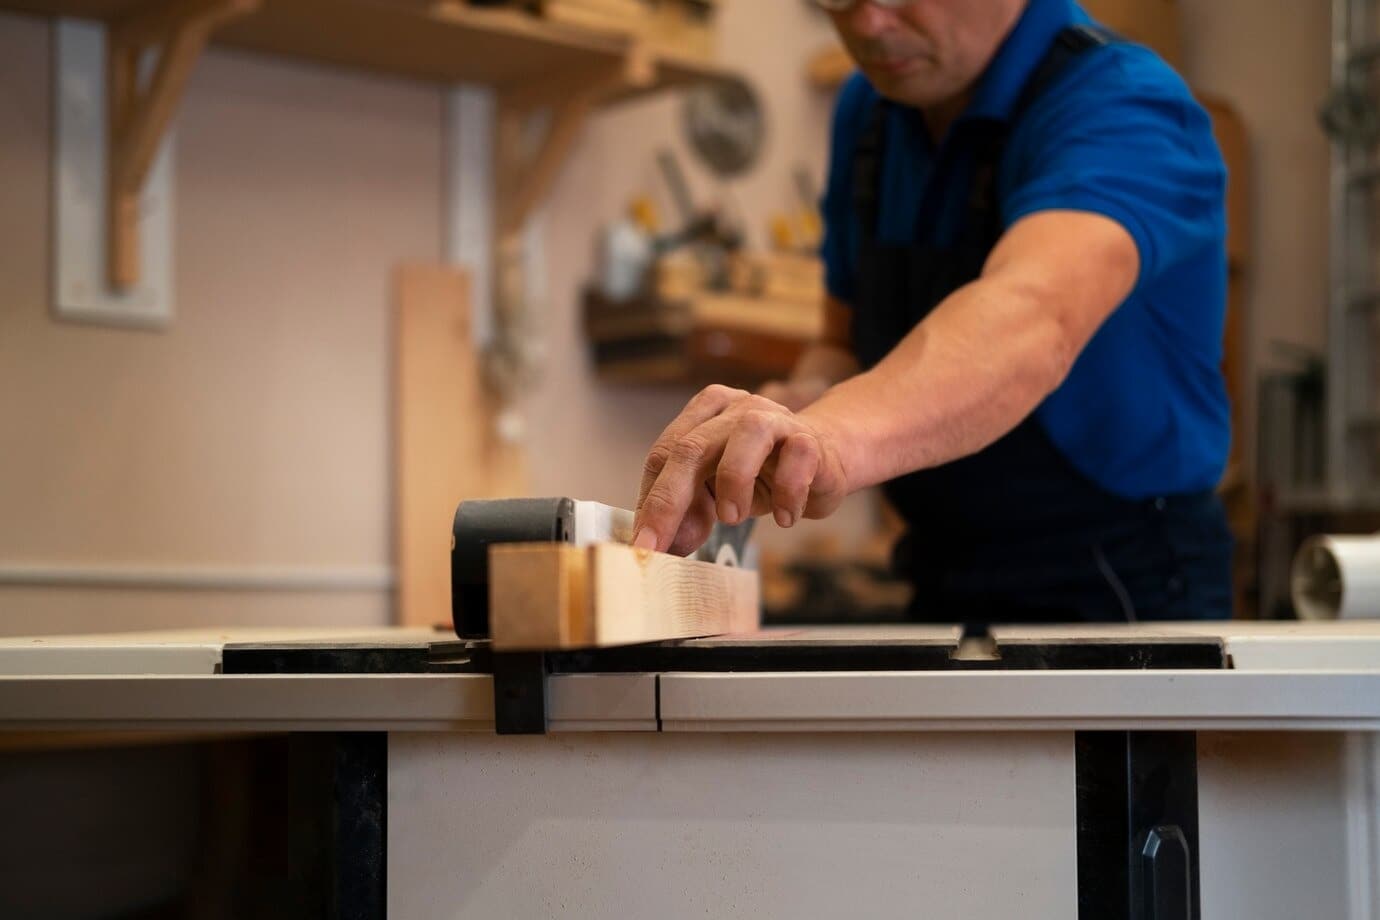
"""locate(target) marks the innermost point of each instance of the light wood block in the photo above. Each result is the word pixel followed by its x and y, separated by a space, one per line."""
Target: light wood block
pixel 556 596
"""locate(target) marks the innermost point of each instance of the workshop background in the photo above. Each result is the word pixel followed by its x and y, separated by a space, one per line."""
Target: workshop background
pixel 267 431
pixel 396 253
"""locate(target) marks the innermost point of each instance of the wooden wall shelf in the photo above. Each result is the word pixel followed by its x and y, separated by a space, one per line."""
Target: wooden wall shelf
pixel 532 64
pixel 710 338
pixel 437 40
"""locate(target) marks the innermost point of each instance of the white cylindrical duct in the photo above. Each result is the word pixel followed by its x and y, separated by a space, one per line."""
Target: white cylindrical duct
pixel 1337 577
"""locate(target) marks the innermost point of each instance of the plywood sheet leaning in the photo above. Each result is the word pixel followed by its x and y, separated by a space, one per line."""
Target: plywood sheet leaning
pixel 444 441
pixel 557 596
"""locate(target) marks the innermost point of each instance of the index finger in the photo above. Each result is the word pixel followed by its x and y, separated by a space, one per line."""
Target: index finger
pixel 705 405
pixel 689 461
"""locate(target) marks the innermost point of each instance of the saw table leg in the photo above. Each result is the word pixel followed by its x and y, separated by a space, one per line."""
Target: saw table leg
pixel 338 836
pixel 1138 825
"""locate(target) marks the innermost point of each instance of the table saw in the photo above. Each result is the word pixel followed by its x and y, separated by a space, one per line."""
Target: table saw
pixel 1167 771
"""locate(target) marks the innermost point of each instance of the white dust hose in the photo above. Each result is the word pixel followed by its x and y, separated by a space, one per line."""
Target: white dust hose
pixel 1337 577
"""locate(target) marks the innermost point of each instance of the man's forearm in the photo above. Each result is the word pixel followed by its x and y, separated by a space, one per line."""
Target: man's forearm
pixel 966 375
pixel 988 355
pixel 976 366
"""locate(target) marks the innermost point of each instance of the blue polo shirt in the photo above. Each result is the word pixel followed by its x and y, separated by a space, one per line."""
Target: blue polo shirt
pixel 1144 411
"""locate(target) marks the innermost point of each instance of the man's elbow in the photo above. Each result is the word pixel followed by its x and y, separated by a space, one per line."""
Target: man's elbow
pixel 1053 341
pixel 1052 361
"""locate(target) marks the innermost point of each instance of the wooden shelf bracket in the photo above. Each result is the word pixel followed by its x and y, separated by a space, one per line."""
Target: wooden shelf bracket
pixel 139 115
pixel 526 164
pixel 523 178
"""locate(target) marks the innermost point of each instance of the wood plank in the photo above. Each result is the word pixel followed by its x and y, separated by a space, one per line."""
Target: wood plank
pixel 446 449
pixel 538 596
pixel 556 596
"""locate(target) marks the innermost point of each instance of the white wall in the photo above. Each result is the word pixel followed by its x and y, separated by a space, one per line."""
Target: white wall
pixel 255 430
pixel 1270 60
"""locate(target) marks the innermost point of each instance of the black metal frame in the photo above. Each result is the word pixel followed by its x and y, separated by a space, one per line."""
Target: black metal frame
pixel 338 824
pixel 1138 825
pixel 1137 791
pixel 520 678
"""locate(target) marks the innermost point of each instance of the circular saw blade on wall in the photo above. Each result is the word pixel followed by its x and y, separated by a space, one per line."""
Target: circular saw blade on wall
pixel 725 126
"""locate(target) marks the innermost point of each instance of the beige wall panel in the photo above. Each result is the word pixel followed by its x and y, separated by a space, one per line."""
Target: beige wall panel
pixel 28 611
pixel 1269 60
pixel 254 430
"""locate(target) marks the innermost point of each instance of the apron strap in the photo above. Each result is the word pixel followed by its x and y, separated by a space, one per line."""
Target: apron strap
pixel 867 169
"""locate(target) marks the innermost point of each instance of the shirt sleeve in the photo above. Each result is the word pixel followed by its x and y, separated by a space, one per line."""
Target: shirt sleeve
pixel 1124 138
pixel 839 246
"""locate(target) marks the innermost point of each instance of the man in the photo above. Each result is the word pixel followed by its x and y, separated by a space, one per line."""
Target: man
pixel 1025 250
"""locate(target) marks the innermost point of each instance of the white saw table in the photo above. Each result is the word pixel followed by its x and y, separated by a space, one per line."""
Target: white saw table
pixel 806 784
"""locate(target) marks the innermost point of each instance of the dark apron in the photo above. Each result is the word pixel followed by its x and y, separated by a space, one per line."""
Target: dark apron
pixel 1015 533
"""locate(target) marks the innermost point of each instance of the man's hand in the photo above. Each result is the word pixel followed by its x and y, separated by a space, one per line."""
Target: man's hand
pixel 730 455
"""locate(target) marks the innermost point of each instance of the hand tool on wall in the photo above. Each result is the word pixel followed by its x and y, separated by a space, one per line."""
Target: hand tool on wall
pixel 725 125
pixel 709 234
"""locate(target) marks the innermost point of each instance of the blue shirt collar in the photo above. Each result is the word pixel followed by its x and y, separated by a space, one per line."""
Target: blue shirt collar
pixel 1000 86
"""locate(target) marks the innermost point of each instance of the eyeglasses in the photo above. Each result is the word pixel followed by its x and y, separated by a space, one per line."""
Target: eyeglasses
pixel 838 6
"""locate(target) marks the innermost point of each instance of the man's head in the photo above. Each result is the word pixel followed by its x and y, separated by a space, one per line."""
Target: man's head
pixel 923 53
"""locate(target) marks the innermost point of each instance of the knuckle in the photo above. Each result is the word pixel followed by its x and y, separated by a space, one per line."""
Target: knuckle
pixel 687 451
pixel 719 393
pixel 758 419
pixel 657 504
pixel 760 403
pixel 801 445
pixel 656 460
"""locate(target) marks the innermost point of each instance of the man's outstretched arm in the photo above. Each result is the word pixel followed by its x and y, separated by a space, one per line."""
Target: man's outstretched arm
pixel 965 376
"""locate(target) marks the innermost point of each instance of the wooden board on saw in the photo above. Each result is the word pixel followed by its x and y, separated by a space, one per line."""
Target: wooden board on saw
pixel 445 448
pixel 555 596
